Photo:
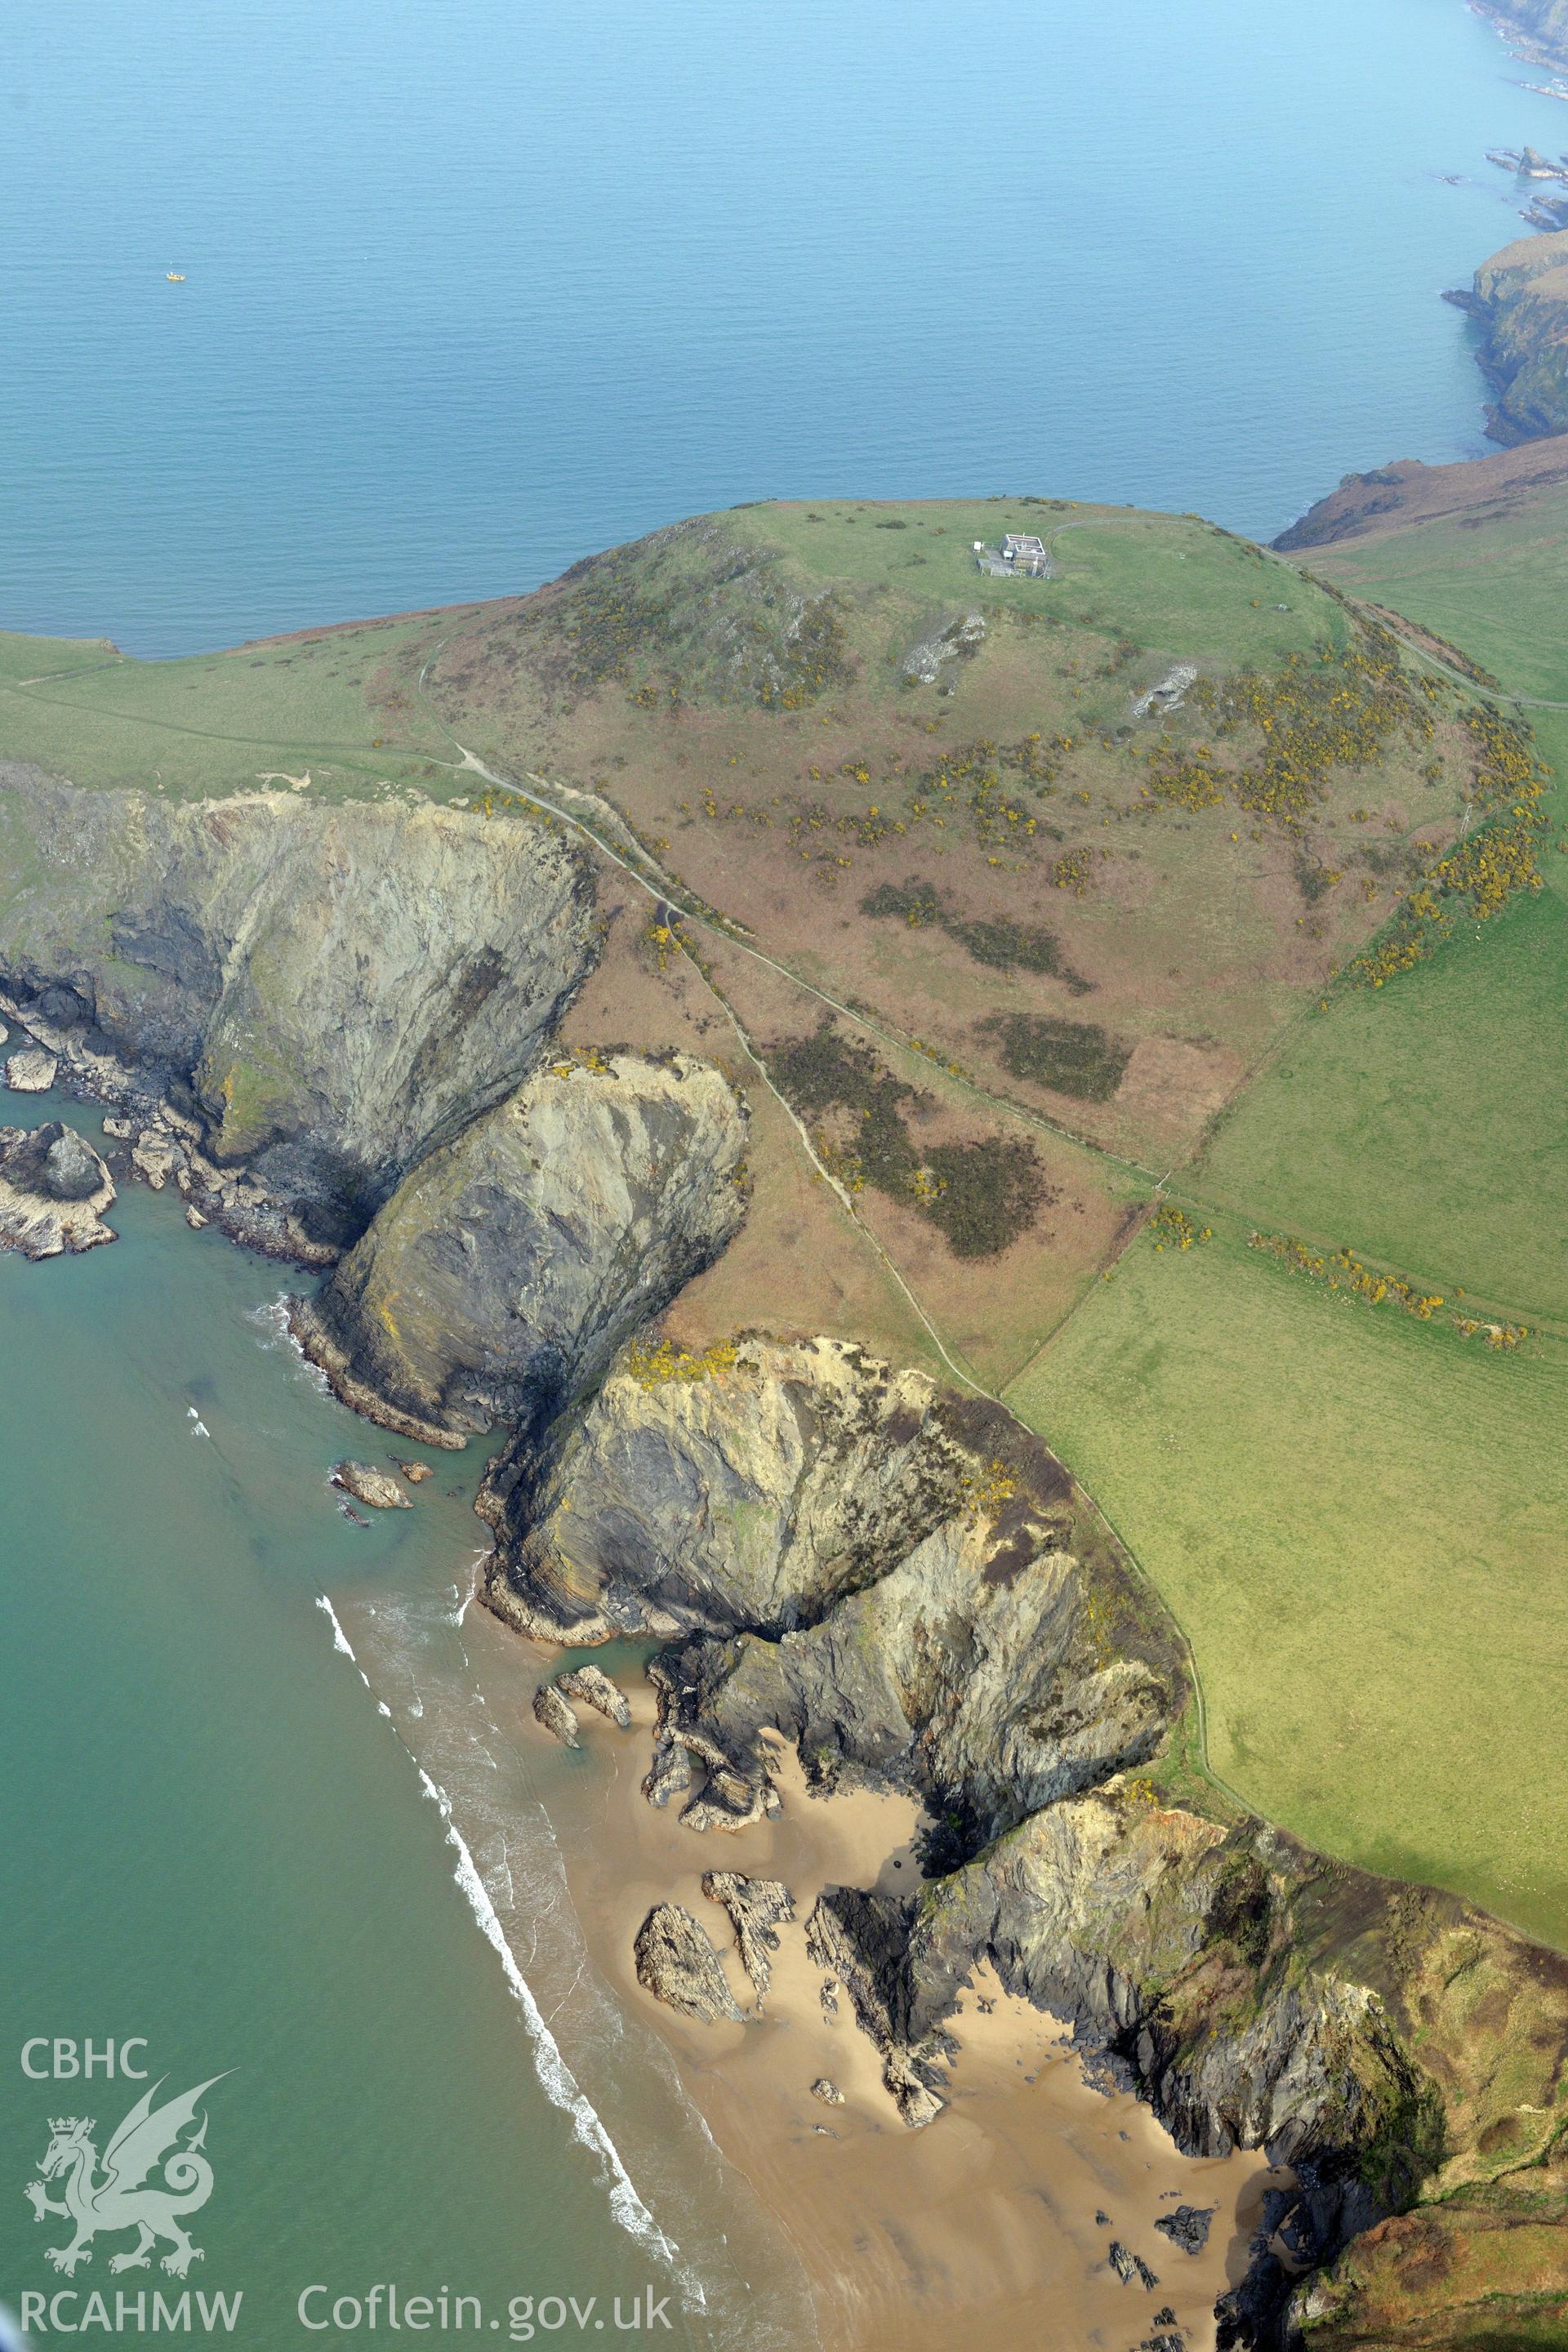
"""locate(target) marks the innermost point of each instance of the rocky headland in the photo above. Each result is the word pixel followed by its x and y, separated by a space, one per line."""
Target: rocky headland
pixel 508 1266
pixel 298 1002
pixel 333 1030
pixel 1520 302
pixel 1540 27
pixel 913 1591
pixel 1393 497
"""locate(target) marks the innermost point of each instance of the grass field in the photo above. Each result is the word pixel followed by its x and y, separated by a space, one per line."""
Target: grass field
pixel 1358 1518
pixel 1494 583
pixel 218 722
pixel 1418 1124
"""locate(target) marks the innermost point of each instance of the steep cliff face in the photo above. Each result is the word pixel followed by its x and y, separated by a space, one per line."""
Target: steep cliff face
pixel 911 1586
pixel 326 991
pixel 507 1269
pixel 907 1585
pixel 1520 299
pixel 1543 24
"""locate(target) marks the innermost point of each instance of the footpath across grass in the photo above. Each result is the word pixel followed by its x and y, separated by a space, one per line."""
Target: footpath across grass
pixel 1424 1123
pixel 1358 1517
pixel 340 706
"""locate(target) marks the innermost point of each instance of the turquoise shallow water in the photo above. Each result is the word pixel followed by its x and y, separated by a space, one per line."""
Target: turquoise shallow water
pixel 216 1839
pixel 473 289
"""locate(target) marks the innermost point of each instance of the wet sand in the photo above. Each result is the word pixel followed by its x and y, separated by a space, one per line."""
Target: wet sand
pixel 984 2220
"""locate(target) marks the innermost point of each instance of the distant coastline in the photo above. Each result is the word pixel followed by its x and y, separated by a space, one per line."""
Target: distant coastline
pixel 1541 25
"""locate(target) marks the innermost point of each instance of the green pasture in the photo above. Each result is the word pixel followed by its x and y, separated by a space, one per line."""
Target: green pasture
pixel 1494 584
pixel 217 722
pixel 1359 1519
pixel 1424 1123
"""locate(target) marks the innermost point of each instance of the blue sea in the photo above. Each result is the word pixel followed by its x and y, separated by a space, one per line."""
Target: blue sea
pixel 474 288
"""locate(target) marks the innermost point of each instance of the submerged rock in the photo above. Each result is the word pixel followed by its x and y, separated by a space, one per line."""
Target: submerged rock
pixel 757 1906
pixel 828 2093
pixel 558 1718
pixel 367 1484
pixel 593 1687
pixel 678 1964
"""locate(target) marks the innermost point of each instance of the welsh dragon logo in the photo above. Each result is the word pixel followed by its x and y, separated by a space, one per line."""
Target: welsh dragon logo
pixel 123 2197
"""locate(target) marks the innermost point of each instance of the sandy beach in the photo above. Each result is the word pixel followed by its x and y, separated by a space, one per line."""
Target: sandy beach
pixel 997 2218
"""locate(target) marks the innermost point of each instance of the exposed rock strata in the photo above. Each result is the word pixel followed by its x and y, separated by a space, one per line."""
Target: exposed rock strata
pixel 1519 297
pixel 911 1587
pixel 757 1907
pixel 678 1964
pixel 377 1488
pixel 593 1687
pixel 508 1268
pixel 902 1583
pixel 321 993
pixel 554 1714
pixel 53 1190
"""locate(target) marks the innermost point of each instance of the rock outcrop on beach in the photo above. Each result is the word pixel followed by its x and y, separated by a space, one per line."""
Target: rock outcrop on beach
pixel 323 993
pixel 676 1963
pixel 505 1271
pixel 554 1714
pixel 757 1907
pixel 1520 300
pixel 593 1687
pixel 912 1589
pixel 53 1190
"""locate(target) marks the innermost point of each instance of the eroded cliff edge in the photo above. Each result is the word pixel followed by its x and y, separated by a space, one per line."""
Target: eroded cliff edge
pixel 911 1587
pixel 334 1027
pixel 1520 302
pixel 316 994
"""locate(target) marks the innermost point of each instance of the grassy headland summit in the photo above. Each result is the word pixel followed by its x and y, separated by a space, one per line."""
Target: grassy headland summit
pixel 808 1011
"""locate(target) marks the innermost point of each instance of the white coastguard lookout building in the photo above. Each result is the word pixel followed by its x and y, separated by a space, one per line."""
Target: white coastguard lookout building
pixel 1024 551
pixel 1020 552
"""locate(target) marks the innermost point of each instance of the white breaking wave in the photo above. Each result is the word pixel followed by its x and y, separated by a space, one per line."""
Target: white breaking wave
pixel 340 1639
pixel 273 1320
pixel 559 2083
